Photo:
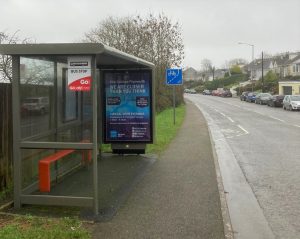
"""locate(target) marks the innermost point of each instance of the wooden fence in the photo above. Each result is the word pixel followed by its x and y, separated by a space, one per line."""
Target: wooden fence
pixel 6 142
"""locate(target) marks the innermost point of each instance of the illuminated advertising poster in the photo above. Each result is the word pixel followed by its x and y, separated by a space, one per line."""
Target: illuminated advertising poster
pixel 127 106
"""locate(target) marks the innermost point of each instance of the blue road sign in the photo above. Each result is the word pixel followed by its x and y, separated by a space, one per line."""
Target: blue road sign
pixel 174 76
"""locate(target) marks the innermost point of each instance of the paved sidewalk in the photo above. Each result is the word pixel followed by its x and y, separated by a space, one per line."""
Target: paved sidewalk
pixel 178 197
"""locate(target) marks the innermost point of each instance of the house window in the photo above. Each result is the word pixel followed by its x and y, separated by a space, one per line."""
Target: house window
pixel 296 68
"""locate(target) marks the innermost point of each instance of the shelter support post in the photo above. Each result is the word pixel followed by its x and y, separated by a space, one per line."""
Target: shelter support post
pixel 95 138
pixel 16 130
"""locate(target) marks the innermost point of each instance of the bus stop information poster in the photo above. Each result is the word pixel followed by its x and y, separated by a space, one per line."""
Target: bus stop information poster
pixel 127 106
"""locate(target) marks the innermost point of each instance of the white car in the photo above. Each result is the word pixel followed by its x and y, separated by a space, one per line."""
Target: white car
pixel 291 102
pixel 36 104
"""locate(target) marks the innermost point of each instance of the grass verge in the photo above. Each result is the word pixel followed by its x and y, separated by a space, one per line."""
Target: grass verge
pixel 30 227
pixel 165 129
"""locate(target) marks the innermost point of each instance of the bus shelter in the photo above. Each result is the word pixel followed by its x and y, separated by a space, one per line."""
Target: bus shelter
pixel 67 99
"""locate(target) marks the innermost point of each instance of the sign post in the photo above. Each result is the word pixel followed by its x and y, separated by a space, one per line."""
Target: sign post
pixel 174 77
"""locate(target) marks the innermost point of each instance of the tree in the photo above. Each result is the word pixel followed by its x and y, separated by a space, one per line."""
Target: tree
pixel 235 69
pixel 206 65
pixel 155 39
pixel 237 61
pixel 5 60
pixel 6 113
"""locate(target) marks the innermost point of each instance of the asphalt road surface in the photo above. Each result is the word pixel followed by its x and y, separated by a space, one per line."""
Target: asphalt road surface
pixel 266 144
pixel 178 197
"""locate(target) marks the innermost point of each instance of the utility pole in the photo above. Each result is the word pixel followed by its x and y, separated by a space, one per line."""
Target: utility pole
pixel 262 72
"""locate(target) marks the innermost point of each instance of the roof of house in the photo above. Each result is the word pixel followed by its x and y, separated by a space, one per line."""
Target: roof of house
pixel 294 59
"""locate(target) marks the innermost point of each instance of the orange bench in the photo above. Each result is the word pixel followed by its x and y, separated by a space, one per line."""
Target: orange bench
pixel 44 166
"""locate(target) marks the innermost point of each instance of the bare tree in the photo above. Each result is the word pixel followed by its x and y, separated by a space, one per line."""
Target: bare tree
pixel 206 65
pixel 6 113
pixel 5 60
pixel 154 38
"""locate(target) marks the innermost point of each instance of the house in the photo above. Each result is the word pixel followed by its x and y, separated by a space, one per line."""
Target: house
pixel 292 67
pixel 287 66
pixel 219 73
pixel 255 67
pixel 190 74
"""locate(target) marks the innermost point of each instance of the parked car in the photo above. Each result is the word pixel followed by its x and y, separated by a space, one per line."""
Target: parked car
pixel 35 105
pixel 275 101
pixel 206 92
pixel 190 91
pixel 291 102
pixel 243 96
pixel 215 93
pixel 226 93
pixel 262 98
pixel 251 97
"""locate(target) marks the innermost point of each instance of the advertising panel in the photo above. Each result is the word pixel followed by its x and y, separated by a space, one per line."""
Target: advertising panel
pixel 127 106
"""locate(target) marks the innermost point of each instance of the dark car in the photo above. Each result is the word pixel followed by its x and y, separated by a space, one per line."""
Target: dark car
pixel 243 96
pixel 251 97
pixel 263 98
pixel 275 101
pixel 226 93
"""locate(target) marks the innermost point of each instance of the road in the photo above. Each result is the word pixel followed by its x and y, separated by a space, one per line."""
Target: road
pixel 266 144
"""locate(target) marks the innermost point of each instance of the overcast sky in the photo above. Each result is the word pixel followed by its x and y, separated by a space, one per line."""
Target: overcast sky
pixel 211 28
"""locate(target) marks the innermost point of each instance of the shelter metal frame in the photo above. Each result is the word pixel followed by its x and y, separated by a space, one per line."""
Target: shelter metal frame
pixel 103 57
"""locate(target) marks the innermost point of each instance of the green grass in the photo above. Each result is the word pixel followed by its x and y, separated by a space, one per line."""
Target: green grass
pixel 30 227
pixel 165 129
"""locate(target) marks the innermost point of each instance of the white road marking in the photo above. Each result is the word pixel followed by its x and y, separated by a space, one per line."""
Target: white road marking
pixel 297 125
pixel 223 114
pixel 230 119
pixel 277 119
pixel 246 132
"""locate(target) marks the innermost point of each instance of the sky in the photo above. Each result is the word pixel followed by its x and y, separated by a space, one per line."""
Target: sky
pixel 211 29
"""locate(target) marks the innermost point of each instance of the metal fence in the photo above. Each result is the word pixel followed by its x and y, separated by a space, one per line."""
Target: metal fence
pixel 6 162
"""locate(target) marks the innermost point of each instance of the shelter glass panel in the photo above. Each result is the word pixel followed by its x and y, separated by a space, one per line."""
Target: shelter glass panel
pixel 37 80
pixel 50 110
pixel 57 172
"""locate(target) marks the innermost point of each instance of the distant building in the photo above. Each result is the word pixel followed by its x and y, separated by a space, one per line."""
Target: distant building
pixel 255 67
pixel 190 74
pixel 285 64
pixel 289 87
pixel 218 74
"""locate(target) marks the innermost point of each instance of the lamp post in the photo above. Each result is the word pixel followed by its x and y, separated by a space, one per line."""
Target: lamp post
pixel 252 68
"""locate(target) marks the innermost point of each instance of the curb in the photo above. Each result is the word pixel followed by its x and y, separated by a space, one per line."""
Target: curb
pixel 228 231
pixel 245 214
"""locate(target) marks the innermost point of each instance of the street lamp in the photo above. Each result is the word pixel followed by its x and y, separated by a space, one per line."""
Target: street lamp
pixel 252 68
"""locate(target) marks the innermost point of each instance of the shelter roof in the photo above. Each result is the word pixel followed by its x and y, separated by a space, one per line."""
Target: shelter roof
pixel 105 55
